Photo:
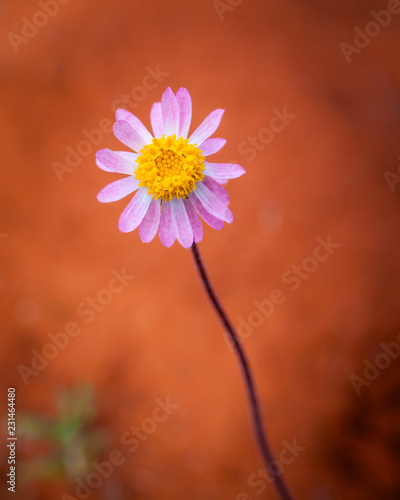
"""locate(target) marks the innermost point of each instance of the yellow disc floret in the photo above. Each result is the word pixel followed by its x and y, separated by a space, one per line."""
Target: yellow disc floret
pixel 170 167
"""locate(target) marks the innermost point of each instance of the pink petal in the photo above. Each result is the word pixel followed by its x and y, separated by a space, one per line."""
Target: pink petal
pixel 128 136
pixel 184 231
pixel 224 170
pixel 217 189
pixel 166 231
pixel 185 112
pixel 129 156
pixel 114 162
pixel 156 120
pixel 149 226
pixel 212 203
pixel 170 113
pixel 211 146
pixel 135 123
pixel 118 189
pixel 133 214
pixel 212 221
pixel 207 128
pixel 102 166
pixel 194 221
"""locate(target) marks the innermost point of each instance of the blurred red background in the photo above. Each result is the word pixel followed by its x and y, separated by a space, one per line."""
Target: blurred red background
pixel 331 171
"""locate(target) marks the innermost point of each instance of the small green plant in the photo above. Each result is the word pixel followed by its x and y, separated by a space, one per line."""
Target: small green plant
pixel 62 446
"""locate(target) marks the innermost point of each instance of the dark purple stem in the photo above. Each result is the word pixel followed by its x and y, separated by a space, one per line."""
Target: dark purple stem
pixel 276 476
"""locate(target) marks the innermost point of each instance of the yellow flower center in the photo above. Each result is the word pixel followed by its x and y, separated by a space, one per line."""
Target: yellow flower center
pixel 170 167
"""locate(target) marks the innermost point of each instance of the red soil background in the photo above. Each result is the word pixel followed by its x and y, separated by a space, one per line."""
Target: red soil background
pixel 324 174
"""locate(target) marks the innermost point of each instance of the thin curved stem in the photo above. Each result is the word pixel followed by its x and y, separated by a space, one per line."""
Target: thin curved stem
pixel 266 451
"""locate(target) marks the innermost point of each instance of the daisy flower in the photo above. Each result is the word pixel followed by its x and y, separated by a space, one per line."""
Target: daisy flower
pixel 173 180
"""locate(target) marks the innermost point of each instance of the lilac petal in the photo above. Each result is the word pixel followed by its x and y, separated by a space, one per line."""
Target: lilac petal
pixel 114 162
pixel 224 170
pixel 129 156
pixel 184 231
pixel 194 221
pixel 220 181
pixel 128 136
pixel 212 221
pixel 207 128
pixel 170 113
pixel 211 146
pixel 213 203
pixel 102 166
pixel 166 231
pixel 156 120
pixel 118 189
pixel 135 123
pixel 217 189
pixel 149 226
pixel 185 112
pixel 133 214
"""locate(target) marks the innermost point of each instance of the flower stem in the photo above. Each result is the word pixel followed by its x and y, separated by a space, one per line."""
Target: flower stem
pixel 266 451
